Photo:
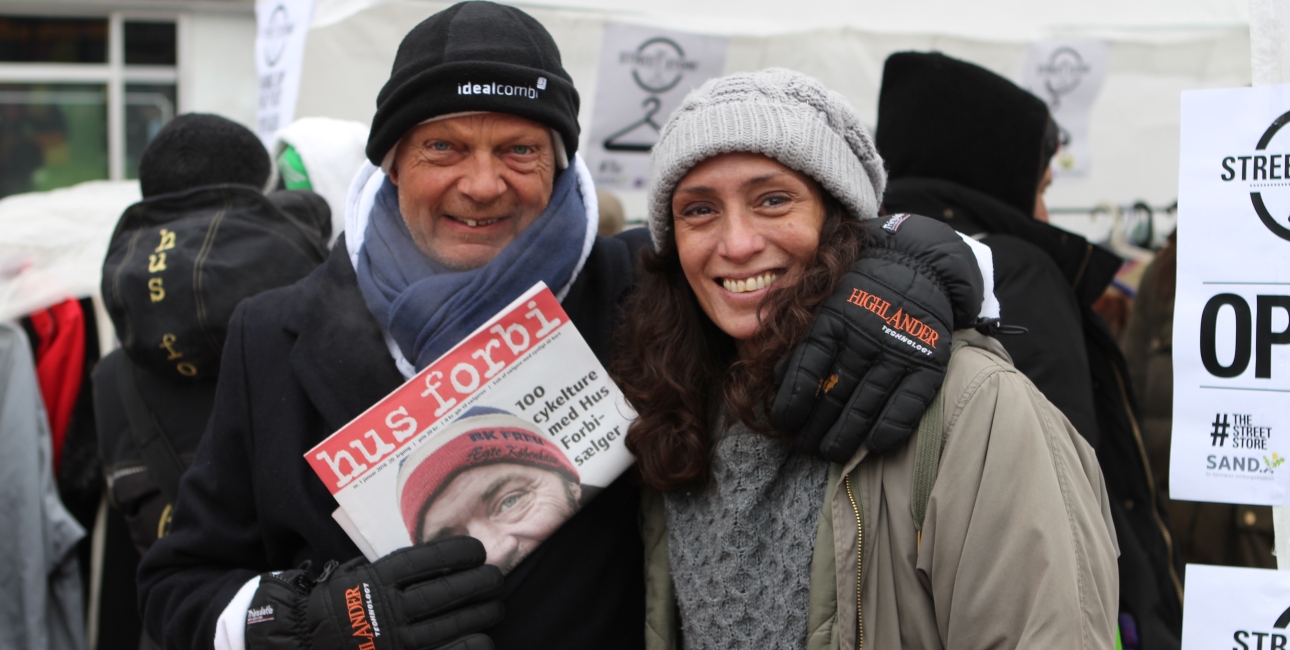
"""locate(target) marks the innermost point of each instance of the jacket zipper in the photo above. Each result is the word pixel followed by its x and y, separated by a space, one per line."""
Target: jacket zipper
pixel 859 563
pixel 1083 266
pixel 1151 484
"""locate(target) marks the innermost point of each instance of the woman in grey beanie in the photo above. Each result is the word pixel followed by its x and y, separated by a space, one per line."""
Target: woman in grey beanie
pixel 761 533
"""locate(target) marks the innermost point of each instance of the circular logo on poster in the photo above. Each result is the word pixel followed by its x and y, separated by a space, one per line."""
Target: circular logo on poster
pixel 1063 73
pixel 659 64
pixel 1267 173
pixel 275 35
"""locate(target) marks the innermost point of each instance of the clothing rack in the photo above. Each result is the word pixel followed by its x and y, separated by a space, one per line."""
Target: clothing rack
pixel 1134 231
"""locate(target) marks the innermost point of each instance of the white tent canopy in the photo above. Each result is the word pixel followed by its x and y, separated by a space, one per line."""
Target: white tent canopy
pixel 1158 48
pixel 1007 20
pixel 52 246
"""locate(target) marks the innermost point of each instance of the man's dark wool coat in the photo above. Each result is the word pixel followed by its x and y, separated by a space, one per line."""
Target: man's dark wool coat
pixel 1046 280
pixel 299 363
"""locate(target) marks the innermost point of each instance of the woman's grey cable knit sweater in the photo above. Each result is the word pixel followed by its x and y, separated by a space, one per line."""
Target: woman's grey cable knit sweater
pixel 740 549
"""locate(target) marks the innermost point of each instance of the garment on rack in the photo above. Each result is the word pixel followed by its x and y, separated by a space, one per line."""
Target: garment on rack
pixel 38 566
pixel 60 364
pixel 78 473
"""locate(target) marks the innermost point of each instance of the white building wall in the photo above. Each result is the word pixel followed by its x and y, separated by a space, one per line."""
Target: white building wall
pixel 217 64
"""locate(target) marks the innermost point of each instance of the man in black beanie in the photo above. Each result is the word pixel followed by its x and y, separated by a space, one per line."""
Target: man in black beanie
pixel 473 193
pixel 969 147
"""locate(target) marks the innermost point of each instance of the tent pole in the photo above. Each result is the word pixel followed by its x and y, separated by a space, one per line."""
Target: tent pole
pixel 1270 65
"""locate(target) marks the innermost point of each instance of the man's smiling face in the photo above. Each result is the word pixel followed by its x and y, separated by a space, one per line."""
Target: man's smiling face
pixel 469 185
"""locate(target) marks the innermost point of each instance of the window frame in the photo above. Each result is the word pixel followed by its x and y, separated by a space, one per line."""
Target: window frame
pixel 114 74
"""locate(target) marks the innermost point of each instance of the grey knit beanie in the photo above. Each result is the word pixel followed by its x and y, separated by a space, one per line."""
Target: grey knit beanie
pixel 781 114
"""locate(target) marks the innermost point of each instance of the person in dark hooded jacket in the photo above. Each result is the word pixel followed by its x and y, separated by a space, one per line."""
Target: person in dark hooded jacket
pixel 203 238
pixel 969 147
pixel 196 164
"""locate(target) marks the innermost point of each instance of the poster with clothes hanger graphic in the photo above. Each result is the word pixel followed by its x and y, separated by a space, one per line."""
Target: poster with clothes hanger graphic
pixel 644 74
pixel 621 139
pixel 1067 74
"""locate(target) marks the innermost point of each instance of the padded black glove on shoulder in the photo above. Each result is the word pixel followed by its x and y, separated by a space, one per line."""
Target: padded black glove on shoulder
pixel 876 354
pixel 434 595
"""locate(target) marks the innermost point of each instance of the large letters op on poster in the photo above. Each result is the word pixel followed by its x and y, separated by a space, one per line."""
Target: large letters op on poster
pixel 1231 348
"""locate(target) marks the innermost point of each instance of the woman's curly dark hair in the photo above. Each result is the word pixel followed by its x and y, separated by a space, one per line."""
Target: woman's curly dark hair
pixel 678 369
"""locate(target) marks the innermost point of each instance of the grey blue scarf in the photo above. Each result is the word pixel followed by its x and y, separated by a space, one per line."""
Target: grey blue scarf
pixel 427 308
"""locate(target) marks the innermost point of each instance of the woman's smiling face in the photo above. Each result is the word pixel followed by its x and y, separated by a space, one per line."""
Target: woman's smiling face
pixel 743 224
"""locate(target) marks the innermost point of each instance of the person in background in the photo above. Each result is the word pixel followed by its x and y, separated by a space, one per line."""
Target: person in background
pixel 44 604
pixel 978 158
pixel 612 220
pixel 1206 533
pixel 204 217
pixel 762 206
pixel 970 148
pixel 319 154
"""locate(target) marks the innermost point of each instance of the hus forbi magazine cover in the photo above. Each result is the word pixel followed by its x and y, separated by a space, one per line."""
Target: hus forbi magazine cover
pixel 503 438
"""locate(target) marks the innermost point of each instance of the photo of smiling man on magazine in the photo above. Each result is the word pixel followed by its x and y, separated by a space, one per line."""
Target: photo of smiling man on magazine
pixel 490 476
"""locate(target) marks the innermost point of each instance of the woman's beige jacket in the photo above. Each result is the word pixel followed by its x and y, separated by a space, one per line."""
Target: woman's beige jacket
pixel 1017 548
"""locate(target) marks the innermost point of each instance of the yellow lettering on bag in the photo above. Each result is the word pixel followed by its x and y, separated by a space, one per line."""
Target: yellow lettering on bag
pixel 156 262
pixel 163 524
pixel 168 342
pixel 167 241
pixel 155 290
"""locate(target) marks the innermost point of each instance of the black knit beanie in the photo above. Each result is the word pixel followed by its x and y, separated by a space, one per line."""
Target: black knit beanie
pixel 197 149
pixel 475 56
pixel 943 118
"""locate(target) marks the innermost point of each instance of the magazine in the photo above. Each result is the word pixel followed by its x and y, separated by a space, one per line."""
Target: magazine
pixel 503 438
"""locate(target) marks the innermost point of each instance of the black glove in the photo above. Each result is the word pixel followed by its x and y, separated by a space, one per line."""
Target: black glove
pixel 434 595
pixel 876 354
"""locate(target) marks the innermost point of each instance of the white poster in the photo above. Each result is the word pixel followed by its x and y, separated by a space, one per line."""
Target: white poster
pixel 1231 347
pixel 644 74
pixel 1238 608
pixel 279 52
pixel 1067 74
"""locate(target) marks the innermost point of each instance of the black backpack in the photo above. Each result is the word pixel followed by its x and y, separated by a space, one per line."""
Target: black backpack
pixel 177 266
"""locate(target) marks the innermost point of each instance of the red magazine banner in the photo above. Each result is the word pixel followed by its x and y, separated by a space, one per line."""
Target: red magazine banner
pixel 391 424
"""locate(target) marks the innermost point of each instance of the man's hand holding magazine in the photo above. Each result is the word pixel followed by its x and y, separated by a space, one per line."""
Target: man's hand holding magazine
pixel 434 595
